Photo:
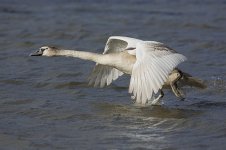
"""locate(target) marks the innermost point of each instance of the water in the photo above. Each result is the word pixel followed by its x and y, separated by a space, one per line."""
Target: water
pixel 45 103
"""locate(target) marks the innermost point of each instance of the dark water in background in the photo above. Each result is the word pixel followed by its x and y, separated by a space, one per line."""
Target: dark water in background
pixel 45 103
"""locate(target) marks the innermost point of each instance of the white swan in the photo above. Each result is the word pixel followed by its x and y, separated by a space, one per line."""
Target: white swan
pixel 152 66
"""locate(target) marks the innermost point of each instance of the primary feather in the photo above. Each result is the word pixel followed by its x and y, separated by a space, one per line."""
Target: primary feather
pixel 154 63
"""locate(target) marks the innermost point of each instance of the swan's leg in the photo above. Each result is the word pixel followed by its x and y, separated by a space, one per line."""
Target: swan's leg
pixel 174 78
pixel 157 101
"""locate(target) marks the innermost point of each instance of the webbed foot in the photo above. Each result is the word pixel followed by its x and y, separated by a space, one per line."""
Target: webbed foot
pixel 157 101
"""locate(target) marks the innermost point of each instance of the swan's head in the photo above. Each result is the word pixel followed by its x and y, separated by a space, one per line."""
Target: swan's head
pixel 45 51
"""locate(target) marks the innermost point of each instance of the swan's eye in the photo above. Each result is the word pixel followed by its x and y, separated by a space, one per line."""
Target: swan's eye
pixel 42 49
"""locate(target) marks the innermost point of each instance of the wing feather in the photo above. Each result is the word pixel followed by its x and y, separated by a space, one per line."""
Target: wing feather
pixel 104 75
pixel 155 61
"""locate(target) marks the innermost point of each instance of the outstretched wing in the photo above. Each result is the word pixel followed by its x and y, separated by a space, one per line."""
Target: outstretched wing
pixel 154 63
pixel 119 43
pixel 103 75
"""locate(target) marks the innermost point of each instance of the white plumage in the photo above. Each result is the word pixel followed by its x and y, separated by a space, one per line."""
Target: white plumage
pixel 104 75
pixel 149 63
pixel 154 62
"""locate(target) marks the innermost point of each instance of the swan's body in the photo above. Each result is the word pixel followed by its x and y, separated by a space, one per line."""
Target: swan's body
pixel 151 65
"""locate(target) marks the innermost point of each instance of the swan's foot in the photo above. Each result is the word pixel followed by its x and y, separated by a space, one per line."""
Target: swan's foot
pixel 174 78
pixel 133 98
pixel 157 101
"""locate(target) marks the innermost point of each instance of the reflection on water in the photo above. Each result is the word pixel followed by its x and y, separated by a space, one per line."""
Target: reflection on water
pixel 45 103
pixel 151 111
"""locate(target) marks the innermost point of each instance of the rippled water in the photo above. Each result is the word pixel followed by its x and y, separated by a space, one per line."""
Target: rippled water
pixel 45 103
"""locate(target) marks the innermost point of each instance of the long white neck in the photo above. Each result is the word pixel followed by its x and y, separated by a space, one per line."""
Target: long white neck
pixel 98 58
pixel 122 61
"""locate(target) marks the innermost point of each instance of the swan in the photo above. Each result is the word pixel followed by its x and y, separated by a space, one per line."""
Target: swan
pixel 152 66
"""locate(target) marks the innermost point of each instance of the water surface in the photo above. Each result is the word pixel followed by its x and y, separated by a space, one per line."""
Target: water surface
pixel 45 103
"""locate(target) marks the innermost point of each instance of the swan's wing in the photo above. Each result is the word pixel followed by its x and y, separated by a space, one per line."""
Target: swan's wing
pixel 119 43
pixel 103 75
pixel 154 63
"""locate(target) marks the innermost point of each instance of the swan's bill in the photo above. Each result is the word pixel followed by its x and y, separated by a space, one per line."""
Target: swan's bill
pixel 37 53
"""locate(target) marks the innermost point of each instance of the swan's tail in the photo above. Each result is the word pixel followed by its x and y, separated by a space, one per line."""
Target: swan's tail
pixel 193 81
